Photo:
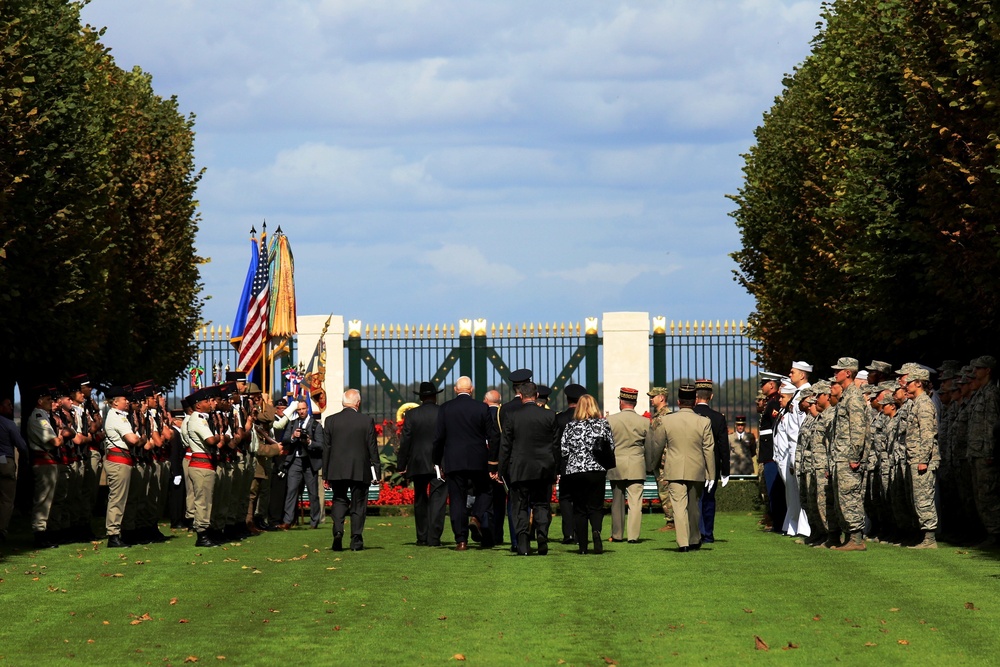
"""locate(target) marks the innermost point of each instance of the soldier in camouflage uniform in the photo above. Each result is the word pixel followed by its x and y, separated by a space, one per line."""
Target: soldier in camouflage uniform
pixel 958 436
pixel 801 465
pixel 658 406
pixel 880 466
pixel 922 455
pixel 848 455
pixel 948 517
pixel 984 413
pixel 821 496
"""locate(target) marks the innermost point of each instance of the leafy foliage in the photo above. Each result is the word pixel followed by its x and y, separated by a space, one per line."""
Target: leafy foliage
pixel 97 209
pixel 864 214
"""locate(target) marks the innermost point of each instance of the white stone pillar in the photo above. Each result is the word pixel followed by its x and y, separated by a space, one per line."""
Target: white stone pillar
pixel 310 327
pixel 626 358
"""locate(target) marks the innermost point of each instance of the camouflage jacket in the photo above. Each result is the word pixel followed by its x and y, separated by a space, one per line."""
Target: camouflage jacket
pixel 849 439
pixel 984 407
pixel 958 432
pixel 803 448
pixel 878 456
pixel 921 433
pixel 822 437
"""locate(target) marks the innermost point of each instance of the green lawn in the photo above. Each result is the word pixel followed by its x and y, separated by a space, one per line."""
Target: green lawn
pixel 285 597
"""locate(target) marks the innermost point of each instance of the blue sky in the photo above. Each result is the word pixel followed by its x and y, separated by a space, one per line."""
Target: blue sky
pixel 431 161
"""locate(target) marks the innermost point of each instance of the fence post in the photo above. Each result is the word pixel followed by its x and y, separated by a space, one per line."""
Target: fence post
pixel 479 380
pixel 659 351
pixel 354 356
pixel 626 357
pixel 593 345
pixel 465 348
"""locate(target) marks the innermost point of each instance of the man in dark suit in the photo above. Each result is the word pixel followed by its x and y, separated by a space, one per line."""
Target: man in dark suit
pixel 529 457
pixel 464 447
pixel 350 466
pixel 704 392
pixel 492 401
pixel 517 380
pixel 416 463
pixel 572 392
pixel 303 446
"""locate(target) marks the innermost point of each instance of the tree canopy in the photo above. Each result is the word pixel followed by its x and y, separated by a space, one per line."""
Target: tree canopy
pixel 98 271
pixel 867 213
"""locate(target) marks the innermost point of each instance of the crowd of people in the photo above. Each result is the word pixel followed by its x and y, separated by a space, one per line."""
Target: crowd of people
pixel 213 466
pixel 872 454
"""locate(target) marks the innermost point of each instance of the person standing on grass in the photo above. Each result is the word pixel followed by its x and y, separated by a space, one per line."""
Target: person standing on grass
pixel 10 442
pixel 584 477
pixel 416 463
pixel 848 456
pixel 922 455
pixel 682 441
pixel 465 447
pixel 350 465
pixel 529 454
pixel 629 430
pixel 572 392
pixel 704 393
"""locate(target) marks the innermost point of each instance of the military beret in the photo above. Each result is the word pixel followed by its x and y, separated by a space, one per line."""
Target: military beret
pixel 985 361
pixel 236 376
pixel 628 394
pixel 846 364
pixel 880 366
pixel 521 375
pixel 573 392
pixel 686 392
pixel 658 391
pixel 544 391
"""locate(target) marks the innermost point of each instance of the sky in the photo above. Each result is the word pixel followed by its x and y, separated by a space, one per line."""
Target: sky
pixel 437 160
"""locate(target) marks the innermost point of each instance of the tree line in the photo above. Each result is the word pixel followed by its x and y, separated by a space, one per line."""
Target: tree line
pixel 868 210
pixel 98 270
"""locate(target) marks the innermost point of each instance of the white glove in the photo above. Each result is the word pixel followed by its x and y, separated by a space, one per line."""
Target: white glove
pixel 177 480
pixel 725 480
pixel 709 485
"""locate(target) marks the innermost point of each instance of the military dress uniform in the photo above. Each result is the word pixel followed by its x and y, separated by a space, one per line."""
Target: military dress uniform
pixel 118 463
pixel 43 443
pixel 201 473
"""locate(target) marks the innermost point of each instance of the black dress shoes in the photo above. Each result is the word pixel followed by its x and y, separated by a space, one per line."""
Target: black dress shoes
pixel 338 542
pixel 115 542
pixel 357 544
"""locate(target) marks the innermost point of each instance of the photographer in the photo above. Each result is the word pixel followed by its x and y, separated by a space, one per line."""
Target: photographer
pixel 303 448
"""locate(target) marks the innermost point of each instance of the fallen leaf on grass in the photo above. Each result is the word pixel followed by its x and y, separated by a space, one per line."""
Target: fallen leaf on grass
pixel 191 658
pixel 747 611
pixel 183 620
pixel 961 553
pixel 817 617
pixel 610 661
pixel 337 628
pixel 903 642
pixel 760 644
pixel 870 644
pixel 116 574
pixel 220 657
pixel 458 656
pixel 894 609
pixel 442 618
pixel 173 600
pixel 106 622
pixel 90 641
pixel 969 605
pixel 790 646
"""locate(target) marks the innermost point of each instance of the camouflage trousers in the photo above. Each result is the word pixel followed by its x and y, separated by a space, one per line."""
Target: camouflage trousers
pixel 901 497
pixel 661 489
pixel 820 508
pixel 849 487
pixel 923 497
pixel 986 483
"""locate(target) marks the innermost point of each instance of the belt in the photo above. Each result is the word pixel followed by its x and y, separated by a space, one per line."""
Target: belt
pixel 42 458
pixel 119 456
pixel 201 460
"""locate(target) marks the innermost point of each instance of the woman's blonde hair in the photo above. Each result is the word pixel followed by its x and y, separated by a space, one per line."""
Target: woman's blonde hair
pixel 586 408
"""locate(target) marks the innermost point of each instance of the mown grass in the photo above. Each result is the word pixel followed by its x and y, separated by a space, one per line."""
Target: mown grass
pixel 285 598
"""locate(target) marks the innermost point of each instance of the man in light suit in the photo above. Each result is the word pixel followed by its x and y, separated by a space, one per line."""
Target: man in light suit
pixel 529 455
pixel 465 446
pixel 628 430
pixel 683 441
pixel 350 466
pixel 416 463
pixel 742 448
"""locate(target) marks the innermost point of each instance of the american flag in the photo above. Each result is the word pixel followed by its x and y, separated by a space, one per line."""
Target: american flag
pixel 255 330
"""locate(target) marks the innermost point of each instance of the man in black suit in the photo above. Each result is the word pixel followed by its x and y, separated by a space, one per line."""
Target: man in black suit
pixel 529 456
pixel 303 447
pixel 492 401
pixel 350 466
pixel 416 463
pixel 517 380
pixel 572 392
pixel 464 447
pixel 720 432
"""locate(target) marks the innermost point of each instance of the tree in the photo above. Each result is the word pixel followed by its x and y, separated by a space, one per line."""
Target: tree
pixel 96 173
pixel 856 201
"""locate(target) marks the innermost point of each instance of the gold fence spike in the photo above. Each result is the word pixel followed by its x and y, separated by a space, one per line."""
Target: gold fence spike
pixel 228 333
pixel 718 327
pixel 453 329
pixel 493 329
pixel 406 330
pixel 741 327
pixel 383 331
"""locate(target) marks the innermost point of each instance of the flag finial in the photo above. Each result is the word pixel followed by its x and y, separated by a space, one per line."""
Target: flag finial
pixel 278 230
pixel 253 231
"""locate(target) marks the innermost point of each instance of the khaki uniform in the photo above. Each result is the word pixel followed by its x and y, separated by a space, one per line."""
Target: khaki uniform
pixel 628 431
pixel 45 466
pixel 201 468
pixel 118 464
